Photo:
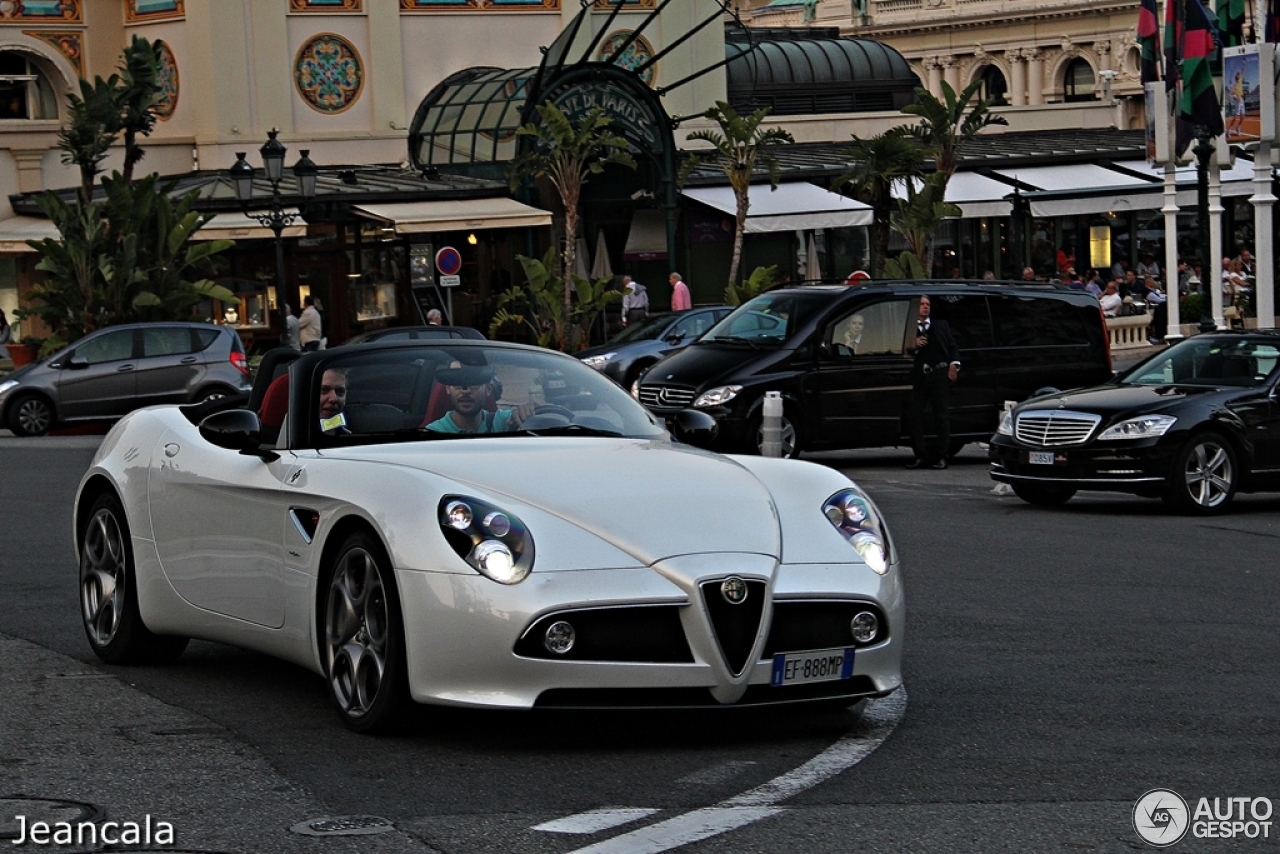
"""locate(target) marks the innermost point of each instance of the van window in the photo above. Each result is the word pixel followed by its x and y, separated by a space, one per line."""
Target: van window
pixel 109 347
pixel 166 341
pixel 205 337
pixel 968 317
pixel 769 318
pixel 879 328
pixel 1036 322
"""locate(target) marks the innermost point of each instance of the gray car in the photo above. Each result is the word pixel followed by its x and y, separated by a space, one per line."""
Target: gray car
pixel 116 370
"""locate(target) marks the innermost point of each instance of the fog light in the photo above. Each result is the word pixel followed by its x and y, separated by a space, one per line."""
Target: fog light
pixel 459 515
pixel 864 626
pixel 560 637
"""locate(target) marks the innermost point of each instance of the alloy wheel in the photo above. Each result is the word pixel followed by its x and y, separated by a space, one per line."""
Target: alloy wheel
pixel 1208 474
pixel 356 629
pixel 103 577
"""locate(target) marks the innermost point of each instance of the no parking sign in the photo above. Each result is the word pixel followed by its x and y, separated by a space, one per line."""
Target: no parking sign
pixel 449 261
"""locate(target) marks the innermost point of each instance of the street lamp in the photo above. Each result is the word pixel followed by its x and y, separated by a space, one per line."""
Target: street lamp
pixel 1203 150
pixel 276 218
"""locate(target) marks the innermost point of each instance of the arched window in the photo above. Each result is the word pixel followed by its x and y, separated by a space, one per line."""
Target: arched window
pixel 25 90
pixel 994 87
pixel 1077 81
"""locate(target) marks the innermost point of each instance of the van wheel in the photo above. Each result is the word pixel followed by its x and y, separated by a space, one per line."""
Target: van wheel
pixel 792 443
pixel 636 372
pixel 1204 476
pixel 30 415
pixel 1043 495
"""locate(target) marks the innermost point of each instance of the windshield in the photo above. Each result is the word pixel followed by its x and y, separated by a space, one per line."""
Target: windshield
pixel 445 389
pixel 1209 361
pixel 770 318
pixel 646 330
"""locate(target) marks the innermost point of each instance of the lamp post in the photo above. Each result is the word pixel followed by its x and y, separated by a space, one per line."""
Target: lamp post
pixel 1203 149
pixel 276 217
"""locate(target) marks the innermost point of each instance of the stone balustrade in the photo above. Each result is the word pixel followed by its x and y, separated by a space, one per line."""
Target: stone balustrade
pixel 1128 332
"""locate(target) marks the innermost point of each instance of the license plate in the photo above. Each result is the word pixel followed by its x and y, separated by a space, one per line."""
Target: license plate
pixel 823 665
pixel 1040 458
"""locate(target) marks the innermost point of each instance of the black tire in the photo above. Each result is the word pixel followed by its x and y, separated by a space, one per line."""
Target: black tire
pixel 109 592
pixel 31 415
pixel 363 639
pixel 1043 495
pixel 792 438
pixel 1204 476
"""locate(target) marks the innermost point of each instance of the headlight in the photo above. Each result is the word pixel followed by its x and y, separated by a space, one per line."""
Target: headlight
pixel 493 542
pixel 597 362
pixel 8 384
pixel 1143 427
pixel 718 396
pixel 858 521
pixel 1006 424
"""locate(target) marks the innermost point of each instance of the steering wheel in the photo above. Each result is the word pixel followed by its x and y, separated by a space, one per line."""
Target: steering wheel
pixel 553 409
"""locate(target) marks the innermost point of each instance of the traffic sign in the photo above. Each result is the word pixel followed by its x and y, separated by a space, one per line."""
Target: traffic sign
pixel 450 281
pixel 449 261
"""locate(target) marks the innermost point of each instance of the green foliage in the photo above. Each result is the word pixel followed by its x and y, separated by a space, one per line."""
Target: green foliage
pixel 739 148
pixel 760 279
pixel 946 125
pixel 539 308
pixel 905 266
pixel 893 157
pixel 920 214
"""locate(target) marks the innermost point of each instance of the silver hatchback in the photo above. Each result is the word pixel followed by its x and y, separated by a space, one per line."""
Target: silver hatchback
pixel 116 370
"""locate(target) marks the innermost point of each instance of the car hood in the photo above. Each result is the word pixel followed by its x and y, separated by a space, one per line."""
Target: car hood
pixel 1112 400
pixel 702 365
pixel 651 499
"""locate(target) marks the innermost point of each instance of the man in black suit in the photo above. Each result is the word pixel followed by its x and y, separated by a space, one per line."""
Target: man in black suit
pixel 936 366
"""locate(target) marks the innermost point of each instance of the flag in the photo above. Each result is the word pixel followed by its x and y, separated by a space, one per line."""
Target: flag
pixel 1172 35
pixel 1197 96
pixel 1272 32
pixel 1149 38
pixel 1231 22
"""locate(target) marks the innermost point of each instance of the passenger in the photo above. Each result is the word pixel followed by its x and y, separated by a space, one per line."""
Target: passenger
pixel 469 388
pixel 333 400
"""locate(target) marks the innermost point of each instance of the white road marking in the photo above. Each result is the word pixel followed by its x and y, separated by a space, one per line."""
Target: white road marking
pixel 879 719
pixel 716 774
pixel 594 821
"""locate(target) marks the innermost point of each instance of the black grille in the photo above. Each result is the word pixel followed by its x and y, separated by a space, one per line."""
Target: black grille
pixel 799 626
pixel 650 633
pixel 670 698
pixel 666 397
pixel 735 626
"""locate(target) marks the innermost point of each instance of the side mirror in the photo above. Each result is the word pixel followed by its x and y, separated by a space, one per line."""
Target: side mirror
pixel 693 428
pixel 674 338
pixel 235 430
pixel 76 363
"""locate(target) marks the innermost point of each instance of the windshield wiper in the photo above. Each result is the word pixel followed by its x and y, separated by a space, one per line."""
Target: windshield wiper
pixel 735 339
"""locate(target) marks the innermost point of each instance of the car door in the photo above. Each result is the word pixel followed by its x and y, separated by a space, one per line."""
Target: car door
pixel 220 522
pixel 863 381
pixel 1261 414
pixel 169 367
pixel 974 407
pixel 98 378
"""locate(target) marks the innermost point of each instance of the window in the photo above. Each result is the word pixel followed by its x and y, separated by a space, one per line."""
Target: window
pixel 968 318
pixel 994 87
pixel 876 329
pixel 1077 81
pixel 166 341
pixel 25 91
pixel 108 347
pixel 1030 322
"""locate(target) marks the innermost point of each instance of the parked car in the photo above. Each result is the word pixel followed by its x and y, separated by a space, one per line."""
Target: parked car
pixel 415 333
pixel 840 357
pixel 640 345
pixel 116 370
pixel 486 569
pixel 1194 425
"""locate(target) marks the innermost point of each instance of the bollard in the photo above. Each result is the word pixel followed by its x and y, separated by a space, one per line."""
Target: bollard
pixel 1004 488
pixel 771 425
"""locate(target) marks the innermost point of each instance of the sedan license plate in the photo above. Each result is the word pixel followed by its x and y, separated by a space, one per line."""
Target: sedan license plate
pixel 1040 458
pixel 823 665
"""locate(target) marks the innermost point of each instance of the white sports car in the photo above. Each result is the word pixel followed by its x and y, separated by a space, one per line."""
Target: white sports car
pixel 481 524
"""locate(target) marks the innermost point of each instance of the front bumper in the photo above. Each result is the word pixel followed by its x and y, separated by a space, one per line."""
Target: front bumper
pixel 470 641
pixel 1138 466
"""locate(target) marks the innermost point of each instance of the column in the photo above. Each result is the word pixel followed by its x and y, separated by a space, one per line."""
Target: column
pixel 951 71
pixel 1263 218
pixel 1035 75
pixel 1216 210
pixel 1017 78
pixel 933 73
pixel 1170 211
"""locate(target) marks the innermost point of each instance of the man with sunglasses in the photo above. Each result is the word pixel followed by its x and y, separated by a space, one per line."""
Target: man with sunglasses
pixel 469 388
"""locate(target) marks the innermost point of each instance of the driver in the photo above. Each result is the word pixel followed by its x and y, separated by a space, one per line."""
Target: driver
pixel 469 387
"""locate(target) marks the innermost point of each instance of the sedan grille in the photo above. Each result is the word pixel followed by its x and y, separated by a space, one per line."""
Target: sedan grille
pixel 735 625
pixel 1054 428
pixel 665 396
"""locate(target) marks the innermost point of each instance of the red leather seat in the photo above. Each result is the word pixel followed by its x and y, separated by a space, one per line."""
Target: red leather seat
pixel 275 404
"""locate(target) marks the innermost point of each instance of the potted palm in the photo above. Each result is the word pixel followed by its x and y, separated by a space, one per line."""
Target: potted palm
pixel 24 352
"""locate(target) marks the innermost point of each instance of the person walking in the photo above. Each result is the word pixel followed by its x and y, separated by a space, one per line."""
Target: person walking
pixel 935 367
pixel 309 325
pixel 680 299
pixel 6 331
pixel 291 328
pixel 635 301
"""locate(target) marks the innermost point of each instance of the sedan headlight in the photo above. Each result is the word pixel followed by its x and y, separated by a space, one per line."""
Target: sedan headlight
pixel 598 362
pixel 858 521
pixel 1142 427
pixel 493 542
pixel 8 384
pixel 718 396
pixel 1006 424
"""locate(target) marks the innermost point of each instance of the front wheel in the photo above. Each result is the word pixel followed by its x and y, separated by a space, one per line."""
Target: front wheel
pixel 1043 495
pixel 31 415
pixel 109 592
pixel 364 639
pixel 1204 476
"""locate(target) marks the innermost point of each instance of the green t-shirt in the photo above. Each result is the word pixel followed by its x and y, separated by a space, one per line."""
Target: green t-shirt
pixel 490 422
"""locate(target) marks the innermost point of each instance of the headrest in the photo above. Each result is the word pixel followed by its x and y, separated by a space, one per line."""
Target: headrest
pixel 465 376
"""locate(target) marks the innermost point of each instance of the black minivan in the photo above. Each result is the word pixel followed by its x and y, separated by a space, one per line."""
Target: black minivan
pixel 841 358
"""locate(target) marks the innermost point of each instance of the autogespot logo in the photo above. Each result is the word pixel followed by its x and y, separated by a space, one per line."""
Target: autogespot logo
pixel 1160 817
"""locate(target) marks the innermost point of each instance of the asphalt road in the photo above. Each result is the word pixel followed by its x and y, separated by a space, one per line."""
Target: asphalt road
pixel 1059 664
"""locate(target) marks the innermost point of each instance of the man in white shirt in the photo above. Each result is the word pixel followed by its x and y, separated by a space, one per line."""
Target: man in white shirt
pixel 309 325
pixel 1110 300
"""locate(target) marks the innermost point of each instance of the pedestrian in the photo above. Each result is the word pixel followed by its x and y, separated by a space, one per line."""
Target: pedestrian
pixel 935 367
pixel 434 317
pixel 6 331
pixel 324 324
pixel 635 301
pixel 1159 303
pixel 309 325
pixel 1111 301
pixel 680 299
pixel 291 328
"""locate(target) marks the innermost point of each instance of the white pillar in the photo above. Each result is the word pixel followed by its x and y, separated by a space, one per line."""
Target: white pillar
pixel 1263 218
pixel 1035 75
pixel 1215 239
pixel 934 71
pixel 1170 211
pixel 1018 78
pixel 951 71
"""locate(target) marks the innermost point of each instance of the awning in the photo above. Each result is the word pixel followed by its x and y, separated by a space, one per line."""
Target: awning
pixel 1086 188
pixel 647 240
pixel 975 194
pixel 456 215
pixel 1237 180
pixel 16 230
pixel 238 226
pixel 790 207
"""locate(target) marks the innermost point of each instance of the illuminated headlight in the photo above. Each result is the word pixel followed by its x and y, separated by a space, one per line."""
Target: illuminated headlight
pixel 1144 427
pixel 718 396
pixel 635 389
pixel 856 518
pixel 8 384
pixel 493 542
pixel 1006 424
pixel 598 362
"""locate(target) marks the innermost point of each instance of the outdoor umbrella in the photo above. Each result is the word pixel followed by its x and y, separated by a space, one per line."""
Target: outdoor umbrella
pixel 813 266
pixel 600 268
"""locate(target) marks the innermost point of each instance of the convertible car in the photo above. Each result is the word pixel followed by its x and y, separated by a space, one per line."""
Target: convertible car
pixel 473 523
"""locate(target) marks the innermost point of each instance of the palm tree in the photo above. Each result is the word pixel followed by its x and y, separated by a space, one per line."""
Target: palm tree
pixel 567 154
pixel 947 125
pixel 882 161
pixel 739 147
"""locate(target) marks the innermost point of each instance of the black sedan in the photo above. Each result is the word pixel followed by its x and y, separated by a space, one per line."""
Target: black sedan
pixel 1194 425
pixel 633 350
